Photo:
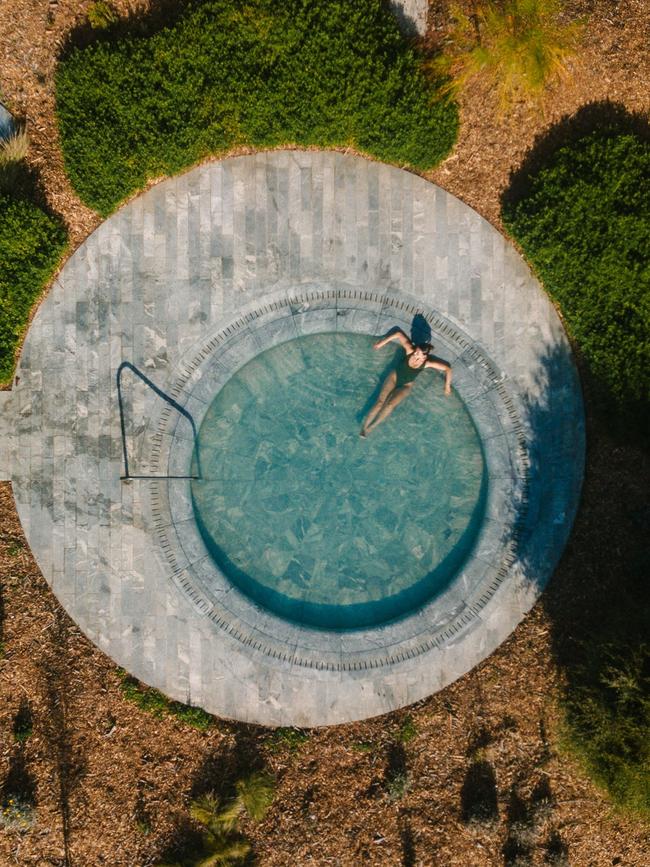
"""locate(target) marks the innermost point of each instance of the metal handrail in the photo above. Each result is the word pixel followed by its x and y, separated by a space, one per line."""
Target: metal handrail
pixel 170 400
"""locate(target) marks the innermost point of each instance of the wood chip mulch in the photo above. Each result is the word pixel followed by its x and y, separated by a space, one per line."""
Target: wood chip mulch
pixel 111 783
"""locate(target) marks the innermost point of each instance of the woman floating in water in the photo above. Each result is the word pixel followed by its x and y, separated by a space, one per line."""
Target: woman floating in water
pixel 399 382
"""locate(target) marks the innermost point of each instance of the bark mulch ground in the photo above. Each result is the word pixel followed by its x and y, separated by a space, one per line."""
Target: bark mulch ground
pixel 472 776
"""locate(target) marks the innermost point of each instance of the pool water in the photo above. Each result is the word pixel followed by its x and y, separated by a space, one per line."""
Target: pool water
pixel 313 522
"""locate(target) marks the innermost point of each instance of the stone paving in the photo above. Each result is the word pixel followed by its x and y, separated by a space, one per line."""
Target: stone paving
pixel 412 15
pixel 178 282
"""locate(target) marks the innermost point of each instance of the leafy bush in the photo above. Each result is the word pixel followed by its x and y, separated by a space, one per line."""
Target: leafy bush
pixel 31 245
pixel 154 702
pixel 582 217
pixel 609 722
pixel 245 72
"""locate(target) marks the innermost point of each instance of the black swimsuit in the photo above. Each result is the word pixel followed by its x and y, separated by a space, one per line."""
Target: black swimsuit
pixel 405 373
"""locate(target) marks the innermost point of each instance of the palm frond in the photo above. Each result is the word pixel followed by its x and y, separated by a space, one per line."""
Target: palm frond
pixel 205 809
pixel 255 793
pixel 229 851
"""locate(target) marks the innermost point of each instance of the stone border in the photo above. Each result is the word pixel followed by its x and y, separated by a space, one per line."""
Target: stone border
pixel 156 281
pixel 201 374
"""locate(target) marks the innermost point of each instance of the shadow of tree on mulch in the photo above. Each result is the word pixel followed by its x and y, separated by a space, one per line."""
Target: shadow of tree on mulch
pixel 218 775
pixel 56 724
pixel 19 784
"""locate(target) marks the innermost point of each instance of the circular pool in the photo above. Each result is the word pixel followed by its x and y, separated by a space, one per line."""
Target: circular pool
pixel 195 287
pixel 312 521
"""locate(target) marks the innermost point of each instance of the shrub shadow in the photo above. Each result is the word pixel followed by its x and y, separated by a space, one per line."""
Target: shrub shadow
pixel 139 23
pixel 603 116
pixel 598 598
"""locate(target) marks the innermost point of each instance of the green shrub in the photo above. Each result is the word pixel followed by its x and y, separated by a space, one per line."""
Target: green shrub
pixel 31 245
pixel 101 15
pixel 608 716
pixel 245 72
pixel 286 739
pixel 582 217
pixel 154 702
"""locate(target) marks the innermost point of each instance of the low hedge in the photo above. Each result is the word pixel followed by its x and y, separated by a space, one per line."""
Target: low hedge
pixel 583 220
pixel 245 72
pixel 31 245
pixel 580 209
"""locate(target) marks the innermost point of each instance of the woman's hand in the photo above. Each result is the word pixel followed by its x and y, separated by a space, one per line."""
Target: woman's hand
pixel 378 344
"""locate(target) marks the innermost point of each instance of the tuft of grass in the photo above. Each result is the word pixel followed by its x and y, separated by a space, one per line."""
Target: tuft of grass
pixel 407 730
pixel 154 702
pixel 15 148
pixel 286 739
pixel 101 15
pixel 519 46
pixel 330 73
pixel 23 723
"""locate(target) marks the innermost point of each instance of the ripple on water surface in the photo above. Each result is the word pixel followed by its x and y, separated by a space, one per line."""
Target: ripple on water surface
pixel 317 524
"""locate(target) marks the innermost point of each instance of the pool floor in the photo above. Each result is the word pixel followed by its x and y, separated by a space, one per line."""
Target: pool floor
pixel 317 524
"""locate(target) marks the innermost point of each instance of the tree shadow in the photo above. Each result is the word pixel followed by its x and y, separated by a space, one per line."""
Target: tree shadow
pixel 604 116
pixel 598 598
pixel 478 795
pixel 68 760
pixel 20 783
pixel 141 23
pixel 221 769
pixel 407 840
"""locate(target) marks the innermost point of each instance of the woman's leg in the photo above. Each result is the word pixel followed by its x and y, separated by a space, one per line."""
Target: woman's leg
pixel 396 397
pixel 387 387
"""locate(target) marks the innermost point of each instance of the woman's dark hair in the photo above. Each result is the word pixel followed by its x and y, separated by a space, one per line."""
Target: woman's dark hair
pixel 425 347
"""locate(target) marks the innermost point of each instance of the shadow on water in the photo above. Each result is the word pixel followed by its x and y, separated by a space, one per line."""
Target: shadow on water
pixel 357 615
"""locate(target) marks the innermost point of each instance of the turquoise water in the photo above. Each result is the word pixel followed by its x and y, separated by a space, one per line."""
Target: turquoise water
pixel 317 524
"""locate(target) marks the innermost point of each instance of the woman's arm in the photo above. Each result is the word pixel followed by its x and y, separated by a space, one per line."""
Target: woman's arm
pixel 398 335
pixel 446 369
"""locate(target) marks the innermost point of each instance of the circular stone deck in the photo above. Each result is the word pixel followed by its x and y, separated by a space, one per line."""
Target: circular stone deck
pixel 187 282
